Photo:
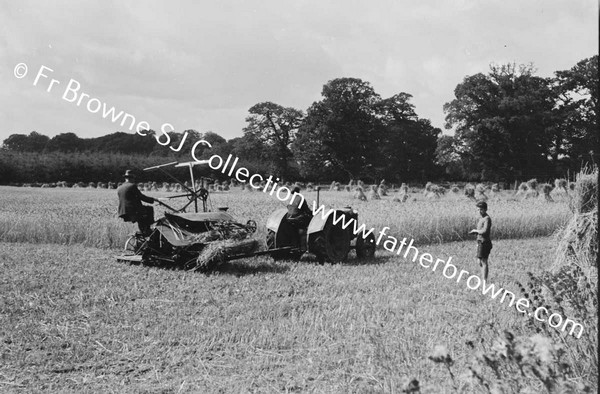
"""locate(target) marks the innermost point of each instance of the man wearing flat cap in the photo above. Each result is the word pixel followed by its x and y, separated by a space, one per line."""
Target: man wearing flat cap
pixel 131 208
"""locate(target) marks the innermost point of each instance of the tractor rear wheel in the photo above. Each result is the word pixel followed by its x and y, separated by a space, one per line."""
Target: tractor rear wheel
pixel 365 247
pixel 332 244
pixel 279 255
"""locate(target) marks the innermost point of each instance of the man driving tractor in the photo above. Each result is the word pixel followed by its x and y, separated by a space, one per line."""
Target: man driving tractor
pixel 131 208
pixel 299 216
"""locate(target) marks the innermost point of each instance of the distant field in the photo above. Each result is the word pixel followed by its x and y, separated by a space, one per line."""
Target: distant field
pixel 88 216
pixel 72 319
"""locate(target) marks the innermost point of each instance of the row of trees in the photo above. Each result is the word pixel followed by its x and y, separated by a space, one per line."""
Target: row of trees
pixel 509 124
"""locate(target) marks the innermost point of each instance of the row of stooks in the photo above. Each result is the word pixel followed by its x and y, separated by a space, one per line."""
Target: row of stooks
pixel 479 192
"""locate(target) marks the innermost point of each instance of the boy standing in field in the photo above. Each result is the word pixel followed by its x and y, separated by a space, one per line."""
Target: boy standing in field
pixel 484 242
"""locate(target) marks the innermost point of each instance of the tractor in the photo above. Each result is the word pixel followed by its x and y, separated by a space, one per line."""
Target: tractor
pixel 289 239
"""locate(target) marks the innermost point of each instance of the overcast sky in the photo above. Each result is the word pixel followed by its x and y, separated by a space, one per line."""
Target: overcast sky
pixel 202 64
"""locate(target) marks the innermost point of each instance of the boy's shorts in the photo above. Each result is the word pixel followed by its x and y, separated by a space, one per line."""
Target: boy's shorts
pixel 483 249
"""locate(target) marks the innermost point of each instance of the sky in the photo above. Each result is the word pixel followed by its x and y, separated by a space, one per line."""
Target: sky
pixel 202 64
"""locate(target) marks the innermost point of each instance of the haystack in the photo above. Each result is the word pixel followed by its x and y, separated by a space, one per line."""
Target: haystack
pixel 332 186
pixel 402 194
pixel 310 187
pixel 373 195
pixel 578 241
pixel 572 186
pixel 561 184
pixel 532 186
pixel 359 194
pixel 522 190
pixel 495 191
pixel 546 188
pixel 382 190
pixel 560 190
pixel 427 188
pixel 480 195
pixel 470 191
pixel 435 191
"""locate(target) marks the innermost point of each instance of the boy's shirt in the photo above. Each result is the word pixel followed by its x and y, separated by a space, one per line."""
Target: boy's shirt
pixel 485 226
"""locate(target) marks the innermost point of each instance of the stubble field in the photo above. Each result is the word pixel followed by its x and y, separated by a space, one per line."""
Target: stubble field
pixel 73 319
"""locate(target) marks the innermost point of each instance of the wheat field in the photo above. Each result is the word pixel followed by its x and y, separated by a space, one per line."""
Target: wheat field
pixel 88 216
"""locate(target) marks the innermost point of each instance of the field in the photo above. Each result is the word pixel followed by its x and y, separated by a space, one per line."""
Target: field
pixel 88 216
pixel 72 319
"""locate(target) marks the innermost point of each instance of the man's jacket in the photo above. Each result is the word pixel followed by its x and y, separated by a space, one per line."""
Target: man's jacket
pixel 130 201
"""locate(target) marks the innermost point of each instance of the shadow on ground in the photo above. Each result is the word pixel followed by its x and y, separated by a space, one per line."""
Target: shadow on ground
pixel 250 267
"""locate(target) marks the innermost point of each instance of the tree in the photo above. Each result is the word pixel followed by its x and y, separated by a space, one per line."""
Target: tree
pixel 409 148
pixel 452 156
pixel 34 142
pixel 353 133
pixel 409 152
pixel 275 126
pixel 342 127
pixel 504 122
pixel 575 137
pixel 213 138
pixel 16 143
pixel 65 142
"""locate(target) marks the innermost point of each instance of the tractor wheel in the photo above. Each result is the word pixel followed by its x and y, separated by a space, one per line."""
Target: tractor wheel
pixel 332 244
pixel 365 247
pixel 281 255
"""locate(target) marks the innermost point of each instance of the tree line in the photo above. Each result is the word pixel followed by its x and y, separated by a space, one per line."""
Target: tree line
pixel 509 124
